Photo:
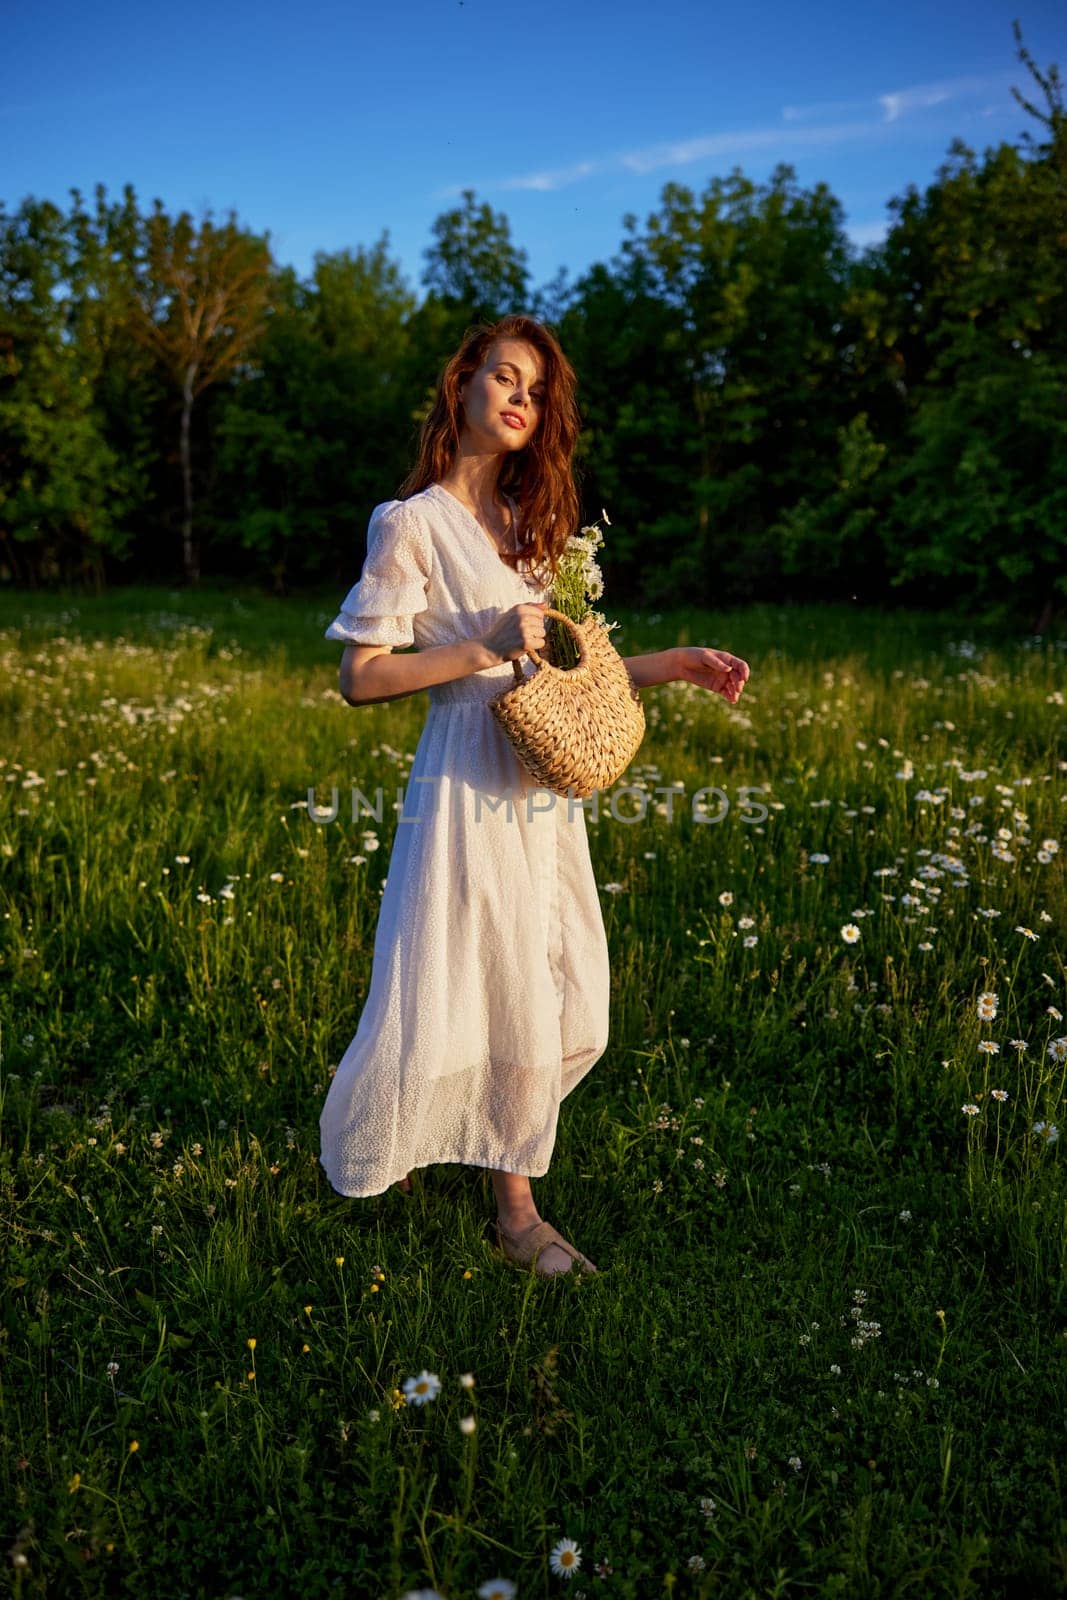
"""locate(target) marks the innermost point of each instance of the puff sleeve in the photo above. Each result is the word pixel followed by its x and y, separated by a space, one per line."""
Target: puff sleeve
pixel 393 585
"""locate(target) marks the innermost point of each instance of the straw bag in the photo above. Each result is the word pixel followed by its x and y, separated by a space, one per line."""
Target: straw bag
pixel 574 729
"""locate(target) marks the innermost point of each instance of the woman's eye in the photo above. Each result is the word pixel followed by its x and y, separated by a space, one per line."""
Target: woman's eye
pixel 539 399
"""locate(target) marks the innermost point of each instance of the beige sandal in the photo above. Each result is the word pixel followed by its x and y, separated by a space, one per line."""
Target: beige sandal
pixel 523 1248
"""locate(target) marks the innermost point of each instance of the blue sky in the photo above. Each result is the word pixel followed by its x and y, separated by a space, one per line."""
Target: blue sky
pixel 328 124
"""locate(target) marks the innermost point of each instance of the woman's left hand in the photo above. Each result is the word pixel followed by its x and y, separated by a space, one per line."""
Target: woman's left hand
pixel 716 670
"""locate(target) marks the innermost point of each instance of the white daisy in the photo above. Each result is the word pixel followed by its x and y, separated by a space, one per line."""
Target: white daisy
pixel 565 1558
pixel 497 1589
pixel 419 1390
pixel 850 933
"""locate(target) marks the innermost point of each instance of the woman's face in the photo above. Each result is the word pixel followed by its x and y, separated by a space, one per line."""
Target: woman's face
pixel 509 383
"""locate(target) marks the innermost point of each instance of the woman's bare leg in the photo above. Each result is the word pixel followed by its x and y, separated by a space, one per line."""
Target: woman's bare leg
pixel 517 1209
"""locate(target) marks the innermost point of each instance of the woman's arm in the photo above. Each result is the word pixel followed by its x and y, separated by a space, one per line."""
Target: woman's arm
pixel 371 674
pixel 655 666
pixel 715 670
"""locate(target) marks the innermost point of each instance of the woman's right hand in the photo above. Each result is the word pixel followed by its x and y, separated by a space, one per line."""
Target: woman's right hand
pixel 515 631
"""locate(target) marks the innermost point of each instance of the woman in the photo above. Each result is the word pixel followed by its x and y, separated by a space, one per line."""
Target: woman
pixel 488 999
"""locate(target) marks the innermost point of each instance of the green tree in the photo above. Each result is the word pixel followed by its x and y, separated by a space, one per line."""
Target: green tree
pixel 730 307
pixel 472 267
pixel 203 305
pixel 318 430
pixel 973 274
pixel 62 487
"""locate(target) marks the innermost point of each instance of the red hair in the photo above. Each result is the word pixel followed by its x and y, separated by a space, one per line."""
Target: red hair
pixel 540 477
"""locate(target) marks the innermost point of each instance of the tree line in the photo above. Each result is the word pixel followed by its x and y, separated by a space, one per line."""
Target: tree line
pixel 768 412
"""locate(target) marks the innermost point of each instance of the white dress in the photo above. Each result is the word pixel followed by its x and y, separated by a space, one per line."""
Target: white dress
pixel 488 996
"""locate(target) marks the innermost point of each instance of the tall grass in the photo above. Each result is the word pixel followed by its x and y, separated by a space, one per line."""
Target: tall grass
pixel 825 1351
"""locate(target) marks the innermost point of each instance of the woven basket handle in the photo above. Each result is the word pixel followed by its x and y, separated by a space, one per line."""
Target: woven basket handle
pixel 541 661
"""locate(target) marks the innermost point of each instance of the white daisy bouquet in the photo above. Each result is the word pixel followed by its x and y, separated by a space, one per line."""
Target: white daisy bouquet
pixel 578 581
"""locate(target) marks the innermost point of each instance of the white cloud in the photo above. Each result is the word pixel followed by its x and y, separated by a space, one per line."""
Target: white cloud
pixel 898 102
pixel 554 180
pixel 882 112
pixel 727 144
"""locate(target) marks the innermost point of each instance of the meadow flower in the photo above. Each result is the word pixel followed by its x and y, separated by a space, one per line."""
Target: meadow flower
pixel 1029 934
pixel 467 1380
pixel 421 1594
pixel 1057 1016
pixel 850 933
pixel 817 859
pixel 467 1424
pixel 726 898
pixel 1019 1044
pixel 989 1047
pixel 970 1108
pixel 750 940
pixel 696 1563
pixel 565 1558
pixel 497 1589
pixel 746 922
pixel 794 1462
pixel 1057 1049
pixel 987 1006
pixel 417 1391
pixel 999 1094
pixel 1047 1131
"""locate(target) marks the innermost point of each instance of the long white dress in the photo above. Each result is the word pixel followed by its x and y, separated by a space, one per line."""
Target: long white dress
pixel 488 997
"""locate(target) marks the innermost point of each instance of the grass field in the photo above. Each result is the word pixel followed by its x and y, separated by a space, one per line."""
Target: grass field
pixel 820 1166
